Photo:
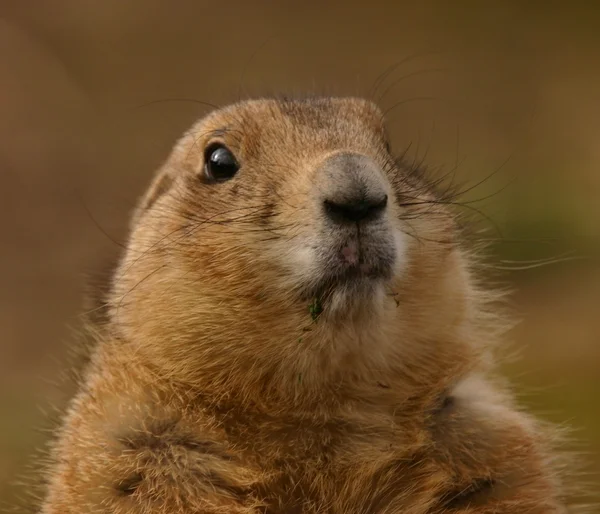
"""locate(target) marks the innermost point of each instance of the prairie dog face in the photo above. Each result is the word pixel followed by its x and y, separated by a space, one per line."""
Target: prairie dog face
pixel 272 214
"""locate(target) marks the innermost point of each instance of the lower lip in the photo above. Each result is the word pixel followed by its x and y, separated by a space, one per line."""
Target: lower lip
pixel 365 268
pixel 357 270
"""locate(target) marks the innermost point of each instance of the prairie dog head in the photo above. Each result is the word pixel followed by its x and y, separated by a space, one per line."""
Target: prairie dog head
pixel 282 242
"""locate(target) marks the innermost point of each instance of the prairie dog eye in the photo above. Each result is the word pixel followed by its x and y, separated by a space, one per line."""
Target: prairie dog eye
pixel 219 163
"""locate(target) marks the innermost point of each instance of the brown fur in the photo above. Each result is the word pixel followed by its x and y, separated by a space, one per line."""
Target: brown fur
pixel 212 388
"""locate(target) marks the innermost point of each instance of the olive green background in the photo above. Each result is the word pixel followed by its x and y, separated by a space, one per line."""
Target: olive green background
pixel 91 99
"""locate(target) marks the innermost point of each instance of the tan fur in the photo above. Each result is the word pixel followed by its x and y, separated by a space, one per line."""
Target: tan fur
pixel 213 390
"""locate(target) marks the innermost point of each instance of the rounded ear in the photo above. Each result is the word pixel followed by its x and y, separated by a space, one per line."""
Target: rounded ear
pixel 161 184
pixel 183 158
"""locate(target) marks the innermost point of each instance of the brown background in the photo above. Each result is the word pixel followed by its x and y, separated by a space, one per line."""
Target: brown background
pixel 484 82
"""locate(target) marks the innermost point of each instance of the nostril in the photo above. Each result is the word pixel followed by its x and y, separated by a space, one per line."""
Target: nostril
pixel 363 209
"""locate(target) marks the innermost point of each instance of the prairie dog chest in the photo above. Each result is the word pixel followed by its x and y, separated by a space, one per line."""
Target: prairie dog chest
pixel 339 465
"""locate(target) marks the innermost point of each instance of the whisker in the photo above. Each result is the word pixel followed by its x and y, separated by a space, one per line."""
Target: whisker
pixel 394 66
pixel 406 101
pixel 187 100
pixel 539 264
pixel 408 76
pixel 136 286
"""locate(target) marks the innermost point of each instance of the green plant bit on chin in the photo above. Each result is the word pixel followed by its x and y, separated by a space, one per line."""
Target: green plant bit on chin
pixel 315 308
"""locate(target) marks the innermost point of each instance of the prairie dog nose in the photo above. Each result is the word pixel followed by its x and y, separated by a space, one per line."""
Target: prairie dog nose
pixel 352 188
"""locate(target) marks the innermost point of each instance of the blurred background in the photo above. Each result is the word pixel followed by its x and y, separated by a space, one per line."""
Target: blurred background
pixel 504 93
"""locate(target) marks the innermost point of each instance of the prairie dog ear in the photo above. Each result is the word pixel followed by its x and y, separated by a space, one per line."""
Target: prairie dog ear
pixel 162 182
pixel 184 158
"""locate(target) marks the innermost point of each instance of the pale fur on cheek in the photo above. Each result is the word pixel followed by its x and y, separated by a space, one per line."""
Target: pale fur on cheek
pixel 302 257
pixel 298 257
pixel 401 251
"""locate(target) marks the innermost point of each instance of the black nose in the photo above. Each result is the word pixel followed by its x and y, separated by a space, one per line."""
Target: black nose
pixel 352 188
pixel 356 209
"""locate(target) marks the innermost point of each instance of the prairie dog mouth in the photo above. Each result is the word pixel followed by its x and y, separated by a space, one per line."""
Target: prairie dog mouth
pixel 353 262
pixel 371 256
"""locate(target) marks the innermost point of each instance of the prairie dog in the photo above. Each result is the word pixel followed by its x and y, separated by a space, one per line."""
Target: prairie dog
pixel 294 328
